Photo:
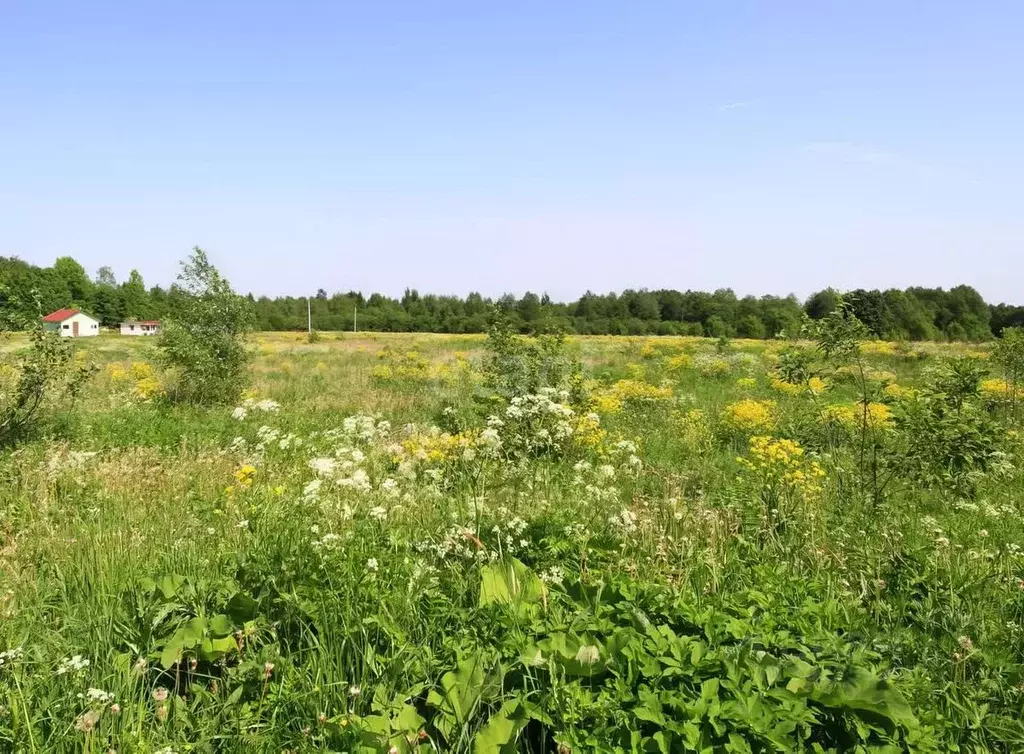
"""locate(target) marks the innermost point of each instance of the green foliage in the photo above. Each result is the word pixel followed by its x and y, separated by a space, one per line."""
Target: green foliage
pixel 204 340
pixel 915 313
pixel 46 372
pixel 518 366
pixel 947 438
pixel 324 569
pixel 839 333
pixel 1008 353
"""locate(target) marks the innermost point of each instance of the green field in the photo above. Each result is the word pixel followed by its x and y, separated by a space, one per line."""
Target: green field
pixel 693 545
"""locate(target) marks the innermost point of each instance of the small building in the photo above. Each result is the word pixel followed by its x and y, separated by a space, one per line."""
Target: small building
pixel 140 327
pixel 71 323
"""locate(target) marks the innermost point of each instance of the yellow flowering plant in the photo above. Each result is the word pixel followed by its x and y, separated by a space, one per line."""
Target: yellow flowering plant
pixel 782 474
pixel 749 415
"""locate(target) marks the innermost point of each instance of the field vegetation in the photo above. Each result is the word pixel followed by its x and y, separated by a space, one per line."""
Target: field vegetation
pixel 414 543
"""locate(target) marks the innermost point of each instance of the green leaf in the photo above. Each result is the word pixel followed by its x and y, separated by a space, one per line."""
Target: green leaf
pixel 649 714
pixel 171 653
pixel 214 649
pixel 193 632
pixel 220 625
pixel 408 719
pixel 169 585
pixel 509 582
pixel 241 607
pixel 499 735
pixel 460 691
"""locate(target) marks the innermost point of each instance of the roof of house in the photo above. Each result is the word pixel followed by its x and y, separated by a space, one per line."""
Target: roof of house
pixel 141 322
pixel 60 315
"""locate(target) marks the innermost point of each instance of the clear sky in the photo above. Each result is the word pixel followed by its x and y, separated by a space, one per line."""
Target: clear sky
pixel 548 145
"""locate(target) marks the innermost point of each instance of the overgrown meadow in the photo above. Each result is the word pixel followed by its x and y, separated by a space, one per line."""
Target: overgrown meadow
pixel 448 543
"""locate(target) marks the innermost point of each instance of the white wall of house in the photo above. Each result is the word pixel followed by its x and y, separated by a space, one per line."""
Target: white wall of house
pixel 139 328
pixel 87 326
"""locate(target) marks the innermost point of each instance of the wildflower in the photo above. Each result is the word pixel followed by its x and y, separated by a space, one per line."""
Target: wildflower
pixel 878 416
pixel 994 389
pixel 239 413
pixel 965 643
pixel 588 654
pixel 983 532
pixel 378 513
pixel 140 665
pixel 10 655
pixel 268 669
pixel 244 475
pixel 354 691
pixel 160 694
pixel 749 415
pixel 98 696
pixel 553 575
pixel 371 565
pixel 115 708
pixel 72 665
pixel 87 721
pixel 323 466
pixel 243 524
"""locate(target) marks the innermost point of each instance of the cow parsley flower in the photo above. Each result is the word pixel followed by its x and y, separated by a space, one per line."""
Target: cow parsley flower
pixel 72 665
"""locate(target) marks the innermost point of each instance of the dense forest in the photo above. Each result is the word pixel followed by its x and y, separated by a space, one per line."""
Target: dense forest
pixel 959 313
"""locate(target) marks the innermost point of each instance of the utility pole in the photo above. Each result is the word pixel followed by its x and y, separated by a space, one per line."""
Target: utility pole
pixel 355 318
pixel 309 316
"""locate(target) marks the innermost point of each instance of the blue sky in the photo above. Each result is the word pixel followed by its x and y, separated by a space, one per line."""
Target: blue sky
pixel 771 147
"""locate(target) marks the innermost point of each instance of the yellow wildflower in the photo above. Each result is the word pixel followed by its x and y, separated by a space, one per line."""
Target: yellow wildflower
pixel 816 385
pixel 786 388
pixel 995 389
pixel 244 476
pixel 840 414
pixel 879 416
pixel 782 462
pixel 750 415
pixel 678 362
pixel 895 391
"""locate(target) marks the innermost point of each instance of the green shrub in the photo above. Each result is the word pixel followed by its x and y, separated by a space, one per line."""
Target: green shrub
pixel 204 341
pixel 46 371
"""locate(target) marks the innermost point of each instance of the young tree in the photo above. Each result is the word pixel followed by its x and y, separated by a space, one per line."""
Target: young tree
pixel 204 336
pixel 45 372
pixel 1009 354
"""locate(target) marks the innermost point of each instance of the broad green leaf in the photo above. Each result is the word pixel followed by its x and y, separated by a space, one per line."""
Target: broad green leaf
pixel 215 648
pixel 241 607
pixel 498 736
pixel 220 625
pixel 509 582
pixel 170 584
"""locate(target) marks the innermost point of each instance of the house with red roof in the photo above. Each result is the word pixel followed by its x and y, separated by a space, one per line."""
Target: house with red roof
pixel 71 323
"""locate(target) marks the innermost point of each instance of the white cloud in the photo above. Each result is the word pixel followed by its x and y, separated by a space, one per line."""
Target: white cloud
pixel 736 105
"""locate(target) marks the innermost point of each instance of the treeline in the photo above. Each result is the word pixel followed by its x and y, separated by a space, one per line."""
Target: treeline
pixel 959 313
